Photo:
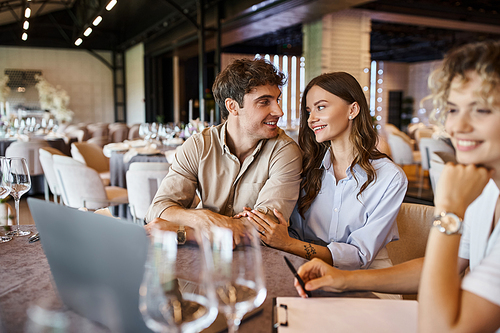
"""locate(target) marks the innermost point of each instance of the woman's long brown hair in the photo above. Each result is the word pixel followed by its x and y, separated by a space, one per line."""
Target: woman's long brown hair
pixel 363 137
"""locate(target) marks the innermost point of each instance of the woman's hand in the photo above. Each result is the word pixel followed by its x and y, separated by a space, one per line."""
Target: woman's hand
pixel 459 185
pixel 273 233
pixel 318 274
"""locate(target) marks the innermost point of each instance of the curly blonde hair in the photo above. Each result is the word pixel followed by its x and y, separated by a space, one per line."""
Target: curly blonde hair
pixel 482 58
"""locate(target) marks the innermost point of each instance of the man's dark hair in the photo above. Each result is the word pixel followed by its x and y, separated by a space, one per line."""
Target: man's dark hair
pixel 240 77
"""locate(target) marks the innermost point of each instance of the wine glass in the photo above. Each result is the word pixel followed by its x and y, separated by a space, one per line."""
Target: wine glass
pixel 238 275
pixel 4 189
pixel 19 182
pixel 177 293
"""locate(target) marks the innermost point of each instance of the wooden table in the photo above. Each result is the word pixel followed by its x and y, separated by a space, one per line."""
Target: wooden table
pixel 26 278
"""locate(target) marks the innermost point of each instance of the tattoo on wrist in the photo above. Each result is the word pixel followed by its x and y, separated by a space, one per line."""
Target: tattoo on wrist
pixel 310 250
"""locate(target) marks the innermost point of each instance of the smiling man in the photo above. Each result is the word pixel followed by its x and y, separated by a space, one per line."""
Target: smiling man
pixel 247 161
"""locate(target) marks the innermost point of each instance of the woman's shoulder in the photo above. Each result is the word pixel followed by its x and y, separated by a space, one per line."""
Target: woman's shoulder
pixel 385 167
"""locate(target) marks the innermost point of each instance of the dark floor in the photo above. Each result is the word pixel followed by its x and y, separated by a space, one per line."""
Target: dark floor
pixel 427 196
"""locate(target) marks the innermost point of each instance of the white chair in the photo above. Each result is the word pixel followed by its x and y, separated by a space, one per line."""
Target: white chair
pixel 428 146
pixel 47 162
pixel 133 132
pixel 92 155
pixel 30 151
pixel 81 186
pixel 143 180
pixel 402 152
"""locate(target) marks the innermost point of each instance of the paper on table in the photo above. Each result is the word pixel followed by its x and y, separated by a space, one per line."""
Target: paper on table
pixel 337 314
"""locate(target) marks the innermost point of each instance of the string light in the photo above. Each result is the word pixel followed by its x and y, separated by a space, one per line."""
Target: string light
pixel 24 36
pixel 26 25
pixel 27 12
pixel 78 41
pixel 97 20
pixel 110 5
pixel 87 32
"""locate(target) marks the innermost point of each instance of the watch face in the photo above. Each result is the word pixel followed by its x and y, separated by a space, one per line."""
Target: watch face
pixel 181 237
pixel 450 224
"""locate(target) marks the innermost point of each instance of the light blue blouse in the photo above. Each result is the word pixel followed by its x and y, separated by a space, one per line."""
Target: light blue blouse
pixel 354 228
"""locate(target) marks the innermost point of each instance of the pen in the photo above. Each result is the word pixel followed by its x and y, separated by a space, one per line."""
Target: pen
pixel 308 293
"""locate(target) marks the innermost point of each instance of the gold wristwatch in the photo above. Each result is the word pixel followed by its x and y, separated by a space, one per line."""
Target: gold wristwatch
pixel 448 223
pixel 181 235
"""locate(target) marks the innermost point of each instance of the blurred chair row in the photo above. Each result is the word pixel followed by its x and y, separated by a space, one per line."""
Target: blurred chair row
pixel 403 152
pixel 102 133
pixel 83 180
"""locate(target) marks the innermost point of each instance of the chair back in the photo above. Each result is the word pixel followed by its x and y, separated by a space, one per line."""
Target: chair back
pixel 414 223
pixel 143 181
pixel 98 129
pixel 401 151
pixel 436 168
pixel 79 184
pixel 133 133
pixel 118 132
pixel 47 162
pixel 428 146
pixel 30 151
pixel 100 141
pixel 91 155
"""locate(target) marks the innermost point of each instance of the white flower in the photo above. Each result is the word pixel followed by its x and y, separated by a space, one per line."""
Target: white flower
pixel 54 99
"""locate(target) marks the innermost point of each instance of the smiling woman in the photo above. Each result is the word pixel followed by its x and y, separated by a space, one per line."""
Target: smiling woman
pixel 351 192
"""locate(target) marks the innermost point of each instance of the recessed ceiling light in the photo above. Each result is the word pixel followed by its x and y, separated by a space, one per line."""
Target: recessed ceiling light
pixel 78 41
pixel 24 36
pixel 87 32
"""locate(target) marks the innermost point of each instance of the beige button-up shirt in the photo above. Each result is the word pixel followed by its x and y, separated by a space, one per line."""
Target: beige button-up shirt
pixel 268 178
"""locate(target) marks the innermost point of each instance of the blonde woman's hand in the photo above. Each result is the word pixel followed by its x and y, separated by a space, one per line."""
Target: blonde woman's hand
pixel 458 186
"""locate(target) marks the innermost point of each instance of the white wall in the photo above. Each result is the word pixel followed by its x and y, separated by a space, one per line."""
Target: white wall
pixel 134 75
pixel 88 82
pixel 395 78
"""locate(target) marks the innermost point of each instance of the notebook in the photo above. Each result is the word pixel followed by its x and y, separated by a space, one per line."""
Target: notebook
pixel 97 263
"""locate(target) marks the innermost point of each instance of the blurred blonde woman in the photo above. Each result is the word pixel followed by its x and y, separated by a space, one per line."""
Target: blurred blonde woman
pixel 466 231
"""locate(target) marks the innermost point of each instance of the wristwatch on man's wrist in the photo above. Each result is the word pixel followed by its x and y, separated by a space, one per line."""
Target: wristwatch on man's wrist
pixel 181 235
pixel 448 223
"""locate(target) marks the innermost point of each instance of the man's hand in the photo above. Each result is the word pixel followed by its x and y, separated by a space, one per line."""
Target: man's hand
pixel 159 223
pixel 318 274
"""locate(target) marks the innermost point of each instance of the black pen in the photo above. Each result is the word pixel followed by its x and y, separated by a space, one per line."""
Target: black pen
pixel 308 293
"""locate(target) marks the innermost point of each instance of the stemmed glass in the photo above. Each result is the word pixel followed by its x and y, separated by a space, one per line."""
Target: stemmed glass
pixel 177 293
pixel 4 189
pixel 19 181
pixel 238 273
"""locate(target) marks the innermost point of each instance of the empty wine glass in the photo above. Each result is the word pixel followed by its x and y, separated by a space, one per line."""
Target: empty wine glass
pixel 238 275
pixel 177 293
pixel 4 189
pixel 19 182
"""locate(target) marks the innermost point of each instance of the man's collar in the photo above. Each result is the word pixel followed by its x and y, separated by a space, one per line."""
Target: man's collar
pixel 225 147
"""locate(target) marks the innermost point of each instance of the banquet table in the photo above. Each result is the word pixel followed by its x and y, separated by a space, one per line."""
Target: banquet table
pixel 57 143
pixel 118 168
pixel 26 278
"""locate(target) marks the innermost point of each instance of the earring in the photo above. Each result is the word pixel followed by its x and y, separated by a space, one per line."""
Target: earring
pixel 350 117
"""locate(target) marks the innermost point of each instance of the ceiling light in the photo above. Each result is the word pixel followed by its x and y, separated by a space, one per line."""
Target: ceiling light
pixel 25 36
pixel 26 25
pixel 27 12
pixel 97 20
pixel 110 5
pixel 78 41
pixel 87 32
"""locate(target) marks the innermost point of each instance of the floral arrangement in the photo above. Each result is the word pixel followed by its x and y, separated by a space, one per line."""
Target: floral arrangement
pixel 4 89
pixel 54 99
